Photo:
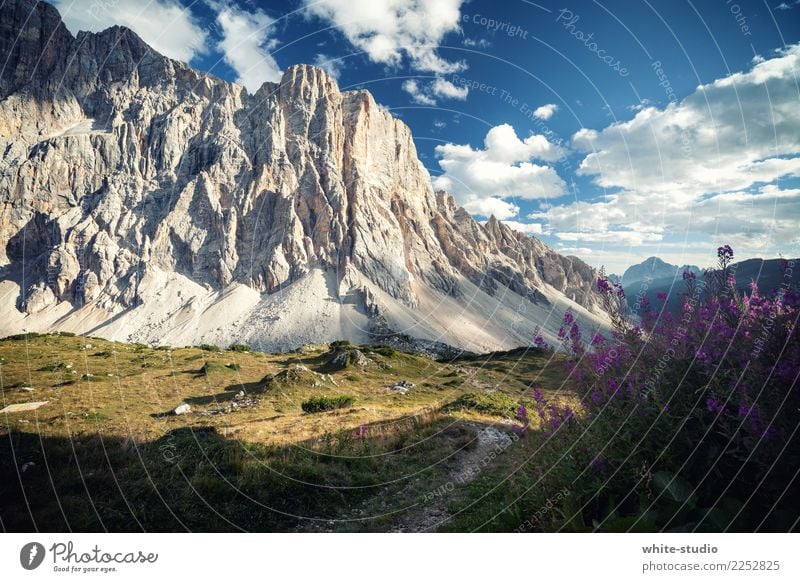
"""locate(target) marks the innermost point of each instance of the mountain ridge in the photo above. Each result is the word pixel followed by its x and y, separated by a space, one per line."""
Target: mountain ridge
pixel 140 195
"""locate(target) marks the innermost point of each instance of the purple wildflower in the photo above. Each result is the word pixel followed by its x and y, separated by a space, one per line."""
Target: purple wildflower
pixel 714 405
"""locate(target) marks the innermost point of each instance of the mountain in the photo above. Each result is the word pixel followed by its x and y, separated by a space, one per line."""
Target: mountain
pixel 651 269
pixel 770 275
pixel 145 201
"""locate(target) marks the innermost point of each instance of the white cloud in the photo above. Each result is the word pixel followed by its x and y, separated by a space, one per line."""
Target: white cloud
pixel 491 206
pixel 706 166
pixel 245 46
pixel 386 30
pixel 426 93
pixel 418 94
pixel 480 43
pixel 328 64
pixel 480 179
pixel 443 88
pixel 524 227
pixel 165 25
pixel 545 111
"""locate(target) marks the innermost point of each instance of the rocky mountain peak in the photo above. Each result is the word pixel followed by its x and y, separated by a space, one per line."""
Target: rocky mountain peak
pixel 141 197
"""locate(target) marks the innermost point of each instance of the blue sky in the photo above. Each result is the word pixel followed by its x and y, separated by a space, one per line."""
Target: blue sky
pixel 613 131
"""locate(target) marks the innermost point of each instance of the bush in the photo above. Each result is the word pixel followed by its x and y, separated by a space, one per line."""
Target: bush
pixel 239 348
pixel 341 345
pixel 55 367
pixel 22 336
pixel 387 351
pixel 209 367
pixel 323 403
pixel 209 348
pixel 492 403
pixel 690 419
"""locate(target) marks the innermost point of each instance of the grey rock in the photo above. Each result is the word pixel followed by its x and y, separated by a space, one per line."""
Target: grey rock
pixel 117 163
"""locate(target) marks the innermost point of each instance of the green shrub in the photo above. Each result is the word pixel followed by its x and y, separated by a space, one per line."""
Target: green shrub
pixel 341 345
pixel 387 351
pixel 323 403
pixel 240 348
pixel 55 367
pixel 493 403
pixel 209 367
pixel 209 347
pixel 22 336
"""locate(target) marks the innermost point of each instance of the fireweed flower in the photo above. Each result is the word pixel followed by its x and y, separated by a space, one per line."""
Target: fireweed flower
pixel 714 405
pixel 725 252
pixel 689 276
pixel 568 317
pixel 661 296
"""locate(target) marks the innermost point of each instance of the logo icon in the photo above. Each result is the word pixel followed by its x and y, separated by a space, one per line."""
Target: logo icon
pixel 31 555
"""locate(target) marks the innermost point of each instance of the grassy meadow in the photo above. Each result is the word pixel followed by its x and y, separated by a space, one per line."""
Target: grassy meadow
pixel 302 441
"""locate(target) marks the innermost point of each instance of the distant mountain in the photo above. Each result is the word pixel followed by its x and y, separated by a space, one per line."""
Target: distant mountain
pixel 652 269
pixel 141 200
pixel 768 274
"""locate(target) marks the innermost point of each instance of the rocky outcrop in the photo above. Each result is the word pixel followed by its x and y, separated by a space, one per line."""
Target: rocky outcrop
pixel 118 163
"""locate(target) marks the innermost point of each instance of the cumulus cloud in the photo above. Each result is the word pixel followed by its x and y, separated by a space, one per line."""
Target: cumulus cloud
pixel 491 206
pixel 418 93
pixel 480 179
pixel 709 164
pixel 330 65
pixel 165 25
pixel 524 227
pixel 444 88
pixel 388 30
pixel 245 45
pixel 545 111
pixel 426 93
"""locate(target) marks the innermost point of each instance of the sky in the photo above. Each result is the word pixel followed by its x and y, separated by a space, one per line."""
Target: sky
pixel 613 131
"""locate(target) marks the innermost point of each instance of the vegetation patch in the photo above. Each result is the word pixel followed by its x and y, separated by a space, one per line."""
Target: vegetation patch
pixel 240 348
pixel 209 348
pixel 491 403
pixel 323 403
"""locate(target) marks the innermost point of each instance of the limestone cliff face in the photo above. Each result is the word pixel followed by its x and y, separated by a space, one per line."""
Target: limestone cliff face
pixel 115 160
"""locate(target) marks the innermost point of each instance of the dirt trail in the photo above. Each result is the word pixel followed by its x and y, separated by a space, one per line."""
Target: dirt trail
pixel 463 468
